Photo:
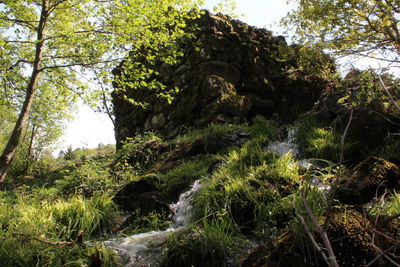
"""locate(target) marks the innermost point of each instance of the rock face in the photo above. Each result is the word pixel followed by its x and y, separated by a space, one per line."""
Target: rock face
pixel 229 72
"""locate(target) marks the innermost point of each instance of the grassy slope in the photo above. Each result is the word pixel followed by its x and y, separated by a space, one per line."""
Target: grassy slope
pixel 247 193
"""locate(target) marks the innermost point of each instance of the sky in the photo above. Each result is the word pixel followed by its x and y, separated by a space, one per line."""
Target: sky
pixel 89 128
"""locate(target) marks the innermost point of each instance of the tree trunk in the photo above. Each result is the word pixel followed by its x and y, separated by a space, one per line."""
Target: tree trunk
pixel 12 144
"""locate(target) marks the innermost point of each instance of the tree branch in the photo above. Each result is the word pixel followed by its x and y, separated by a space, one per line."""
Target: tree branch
pixel 388 93
pixel 24 23
pixel 331 256
pixel 344 136
pixel 60 243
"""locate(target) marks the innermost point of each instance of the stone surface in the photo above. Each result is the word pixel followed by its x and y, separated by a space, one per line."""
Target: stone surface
pixel 140 195
pixel 229 73
pixel 367 180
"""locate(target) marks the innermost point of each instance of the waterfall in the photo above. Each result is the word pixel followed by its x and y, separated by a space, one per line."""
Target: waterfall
pixel 143 249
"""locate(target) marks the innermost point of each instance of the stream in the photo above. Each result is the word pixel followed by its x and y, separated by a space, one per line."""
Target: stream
pixel 143 249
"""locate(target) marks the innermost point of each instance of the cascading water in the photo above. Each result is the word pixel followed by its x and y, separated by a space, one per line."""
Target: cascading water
pixel 143 249
pixel 290 146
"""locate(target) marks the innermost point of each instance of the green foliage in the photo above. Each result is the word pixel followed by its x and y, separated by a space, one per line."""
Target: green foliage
pixel 392 207
pixel 214 131
pixel 318 142
pixel 176 180
pixel 30 226
pixel 88 178
pixel 364 89
pixel 208 247
pixel 154 221
pixel 138 152
pixel 247 186
pixel 317 203
pixel 263 129
pixel 80 154
pixel 348 27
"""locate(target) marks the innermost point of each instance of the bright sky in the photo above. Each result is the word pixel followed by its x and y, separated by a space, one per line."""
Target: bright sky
pixel 90 128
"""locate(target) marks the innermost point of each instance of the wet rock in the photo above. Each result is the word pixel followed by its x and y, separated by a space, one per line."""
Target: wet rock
pixel 367 180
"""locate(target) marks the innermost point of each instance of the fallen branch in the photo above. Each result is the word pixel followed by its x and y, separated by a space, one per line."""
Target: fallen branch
pixel 344 136
pixel 59 243
pixel 383 253
pixel 315 244
pixel 331 256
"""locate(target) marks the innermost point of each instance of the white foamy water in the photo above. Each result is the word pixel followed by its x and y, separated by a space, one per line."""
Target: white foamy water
pixel 290 146
pixel 141 250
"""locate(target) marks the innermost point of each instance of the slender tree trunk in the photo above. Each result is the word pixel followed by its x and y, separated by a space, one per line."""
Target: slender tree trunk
pixel 29 154
pixel 12 144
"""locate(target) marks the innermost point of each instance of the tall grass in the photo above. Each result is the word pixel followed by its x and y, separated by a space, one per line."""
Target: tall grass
pixel 318 142
pixel 248 184
pixel 31 228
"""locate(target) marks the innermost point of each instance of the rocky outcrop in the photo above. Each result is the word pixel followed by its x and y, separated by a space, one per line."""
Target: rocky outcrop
pixel 373 118
pixel 229 72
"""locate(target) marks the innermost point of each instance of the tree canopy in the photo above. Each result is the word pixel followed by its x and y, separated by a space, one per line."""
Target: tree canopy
pixel 64 45
pixel 350 27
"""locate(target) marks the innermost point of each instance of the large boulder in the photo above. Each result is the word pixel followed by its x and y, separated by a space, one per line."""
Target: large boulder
pixel 229 73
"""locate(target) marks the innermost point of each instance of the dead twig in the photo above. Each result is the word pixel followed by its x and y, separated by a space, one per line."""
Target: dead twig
pixel 315 244
pixel 331 256
pixel 59 243
pixel 344 136
pixel 383 254
pixel 388 93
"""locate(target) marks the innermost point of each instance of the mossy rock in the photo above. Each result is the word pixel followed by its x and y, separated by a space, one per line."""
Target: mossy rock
pixel 350 235
pixel 193 249
pixel 367 180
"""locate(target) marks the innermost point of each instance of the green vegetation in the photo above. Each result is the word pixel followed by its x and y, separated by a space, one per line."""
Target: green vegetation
pixel 316 141
pixel 347 27
pixel 58 211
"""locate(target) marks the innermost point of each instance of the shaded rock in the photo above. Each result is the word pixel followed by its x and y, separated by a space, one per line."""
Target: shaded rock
pixel 130 197
pixel 150 201
pixel 367 180
pixel 230 72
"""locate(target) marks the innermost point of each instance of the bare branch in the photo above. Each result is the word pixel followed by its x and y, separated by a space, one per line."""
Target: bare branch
pixel 384 253
pixel 315 244
pixel 344 136
pixel 19 62
pixel 388 93
pixel 60 243
pixel 331 256
pixel 24 23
